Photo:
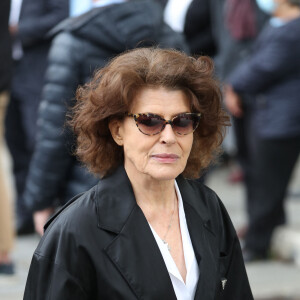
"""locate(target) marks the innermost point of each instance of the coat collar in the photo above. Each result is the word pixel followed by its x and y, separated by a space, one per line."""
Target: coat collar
pixel 119 213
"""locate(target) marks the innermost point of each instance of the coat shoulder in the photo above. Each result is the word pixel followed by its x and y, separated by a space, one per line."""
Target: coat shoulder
pixel 79 208
pixel 76 218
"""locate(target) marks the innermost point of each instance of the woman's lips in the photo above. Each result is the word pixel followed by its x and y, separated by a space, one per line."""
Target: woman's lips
pixel 165 157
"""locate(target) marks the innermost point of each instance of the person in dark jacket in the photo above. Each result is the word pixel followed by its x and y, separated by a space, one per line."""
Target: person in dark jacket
pixel 272 77
pixel 37 17
pixel 235 26
pixel 6 211
pixel 82 45
pixel 192 18
pixel 147 121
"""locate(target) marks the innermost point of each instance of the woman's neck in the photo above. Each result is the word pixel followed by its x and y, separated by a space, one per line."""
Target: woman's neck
pixel 157 201
pixel 151 194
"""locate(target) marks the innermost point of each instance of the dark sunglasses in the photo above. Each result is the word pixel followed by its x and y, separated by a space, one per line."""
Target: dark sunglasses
pixel 151 124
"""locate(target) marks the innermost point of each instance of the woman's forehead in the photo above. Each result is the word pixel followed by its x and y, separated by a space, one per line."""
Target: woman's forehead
pixel 160 100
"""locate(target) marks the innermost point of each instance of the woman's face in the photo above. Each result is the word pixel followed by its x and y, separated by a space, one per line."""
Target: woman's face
pixel 162 156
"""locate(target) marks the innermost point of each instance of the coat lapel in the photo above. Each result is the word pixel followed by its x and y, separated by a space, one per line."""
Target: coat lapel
pixel 134 250
pixel 202 237
pixel 140 260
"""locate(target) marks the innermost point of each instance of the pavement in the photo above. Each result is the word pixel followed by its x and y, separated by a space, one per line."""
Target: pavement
pixel 277 279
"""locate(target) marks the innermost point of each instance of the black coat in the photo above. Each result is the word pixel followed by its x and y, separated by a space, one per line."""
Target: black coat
pixel 81 46
pixel 100 246
pixel 198 28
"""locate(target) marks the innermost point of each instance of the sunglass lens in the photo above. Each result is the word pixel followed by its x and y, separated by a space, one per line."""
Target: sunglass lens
pixel 149 124
pixel 185 123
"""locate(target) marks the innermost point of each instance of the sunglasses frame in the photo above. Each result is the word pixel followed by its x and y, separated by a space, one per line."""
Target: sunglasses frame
pixel 135 117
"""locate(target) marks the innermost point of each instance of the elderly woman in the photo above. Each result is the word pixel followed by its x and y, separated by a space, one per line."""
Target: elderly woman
pixel 145 123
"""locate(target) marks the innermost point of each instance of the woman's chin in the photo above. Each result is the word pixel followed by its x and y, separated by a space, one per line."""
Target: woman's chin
pixel 165 172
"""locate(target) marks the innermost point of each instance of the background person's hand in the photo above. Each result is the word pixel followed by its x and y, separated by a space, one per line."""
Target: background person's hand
pixel 13 30
pixel 233 102
pixel 40 218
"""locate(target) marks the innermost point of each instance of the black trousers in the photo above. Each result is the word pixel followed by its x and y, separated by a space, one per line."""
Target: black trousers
pixel 20 134
pixel 272 163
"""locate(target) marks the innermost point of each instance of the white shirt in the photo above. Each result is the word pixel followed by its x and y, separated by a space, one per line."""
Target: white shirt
pixel 15 10
pixel 78 7
pixel 175 12
pixel 183 291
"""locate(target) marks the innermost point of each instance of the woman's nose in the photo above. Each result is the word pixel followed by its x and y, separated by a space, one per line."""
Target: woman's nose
pixel 168 136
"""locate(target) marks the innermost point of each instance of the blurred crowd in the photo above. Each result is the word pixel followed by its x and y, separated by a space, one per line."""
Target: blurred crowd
pixel 50 47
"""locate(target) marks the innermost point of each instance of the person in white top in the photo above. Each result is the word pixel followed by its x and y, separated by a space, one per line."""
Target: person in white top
pixel 147 121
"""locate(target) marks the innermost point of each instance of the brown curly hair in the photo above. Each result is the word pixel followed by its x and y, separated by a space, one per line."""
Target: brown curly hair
pixel 113 88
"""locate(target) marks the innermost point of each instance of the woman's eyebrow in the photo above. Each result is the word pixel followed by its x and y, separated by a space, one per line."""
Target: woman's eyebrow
pixel 162 116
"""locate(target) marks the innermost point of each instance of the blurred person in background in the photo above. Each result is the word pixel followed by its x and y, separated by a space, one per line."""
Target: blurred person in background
pixel 192 19
pixel 271 76
pixel 82 45
pixel 35 19
pixel 235 25
pixel 6 205
pixel 145 123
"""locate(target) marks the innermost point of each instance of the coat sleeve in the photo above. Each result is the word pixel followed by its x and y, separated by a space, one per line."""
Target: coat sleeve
pixel 272 61
pixel 48 280
pixel 52 159
pixel 61 267
pixel 231 263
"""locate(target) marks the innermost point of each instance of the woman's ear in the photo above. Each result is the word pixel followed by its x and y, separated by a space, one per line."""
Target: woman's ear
pixel 116 129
